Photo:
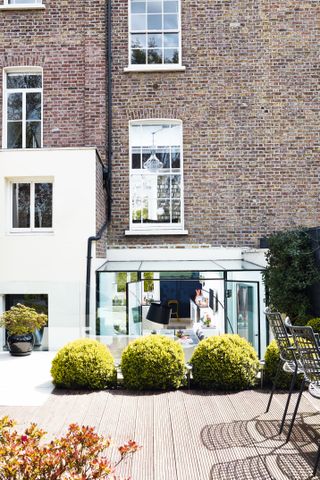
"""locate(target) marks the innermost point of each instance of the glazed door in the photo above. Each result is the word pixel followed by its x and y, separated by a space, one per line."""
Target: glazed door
pixel 243 310
pixel 134 310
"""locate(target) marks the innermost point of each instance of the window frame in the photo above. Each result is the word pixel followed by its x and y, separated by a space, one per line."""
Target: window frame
pixel 31 5
pixel 32 181
pixel 154 66
pixel 6 91
pixel 156 228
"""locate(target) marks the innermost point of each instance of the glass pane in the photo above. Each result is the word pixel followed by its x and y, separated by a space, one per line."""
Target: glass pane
pixel 163 186
pixel 43 205
pixel 14 135
pixel 154 6
pixel 155 40
pixel 14 106
pixel 175 157
pixel 170 22
pixel 136 157
pixel 138 7
pixel 175 186
pixel 146 152
pixel 21 205
pixel 15 80
pixel 171 55
pixel 33 134
pixel 138 22
pixel 138 57
pixel 176 211
pixel 33 106
pixel 163 155
pixel 154 56
pixel 154 22
pixel 163 211
pixel 138 41
pixel 171 40
pixel 170 7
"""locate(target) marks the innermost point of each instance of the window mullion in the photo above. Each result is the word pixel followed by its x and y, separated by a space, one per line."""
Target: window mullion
pixel 24 120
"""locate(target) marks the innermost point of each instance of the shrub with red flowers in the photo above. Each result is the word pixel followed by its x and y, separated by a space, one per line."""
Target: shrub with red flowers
pixel 77 455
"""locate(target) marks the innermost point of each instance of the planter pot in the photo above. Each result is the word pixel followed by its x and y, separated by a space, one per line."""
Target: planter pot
pixel 20 345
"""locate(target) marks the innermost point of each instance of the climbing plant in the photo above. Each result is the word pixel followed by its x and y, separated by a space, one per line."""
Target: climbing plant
pixel 290 272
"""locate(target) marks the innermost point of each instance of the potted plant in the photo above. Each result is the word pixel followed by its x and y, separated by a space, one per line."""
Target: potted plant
pixel 20 322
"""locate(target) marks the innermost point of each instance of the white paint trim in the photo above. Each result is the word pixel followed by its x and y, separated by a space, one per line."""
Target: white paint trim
pixel 156 232
pixel 21 6
pixel 167 67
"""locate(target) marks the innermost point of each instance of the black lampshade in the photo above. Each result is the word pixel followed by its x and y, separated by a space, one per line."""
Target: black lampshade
pixel 159 313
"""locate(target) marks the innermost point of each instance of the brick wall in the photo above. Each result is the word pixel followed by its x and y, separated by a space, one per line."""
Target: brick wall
pixel 67 40
pixel 249 102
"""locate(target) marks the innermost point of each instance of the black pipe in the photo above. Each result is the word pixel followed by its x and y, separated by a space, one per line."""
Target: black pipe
pixel 108 22
pixel 88 275
pixel 106 169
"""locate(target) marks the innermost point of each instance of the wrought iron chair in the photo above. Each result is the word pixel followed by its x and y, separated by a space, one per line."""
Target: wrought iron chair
pixel 288 362
pixel 307 345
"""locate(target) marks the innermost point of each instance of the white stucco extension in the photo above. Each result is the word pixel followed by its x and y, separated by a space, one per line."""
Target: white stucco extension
pixel 52 263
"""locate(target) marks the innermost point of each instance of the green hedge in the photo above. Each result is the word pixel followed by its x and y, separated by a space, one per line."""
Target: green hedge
pixel 315 324
pixel 271 359
pixel 226 362
pixel 154 362
pixel 84 363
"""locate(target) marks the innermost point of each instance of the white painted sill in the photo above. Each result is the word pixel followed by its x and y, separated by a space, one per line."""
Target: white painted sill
pixel 154 68
pixel 22 6
pixel 156 232
pixel 28 233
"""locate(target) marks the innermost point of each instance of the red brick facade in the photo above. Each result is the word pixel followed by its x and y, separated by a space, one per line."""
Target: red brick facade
pixel 68 42
pixel 249 102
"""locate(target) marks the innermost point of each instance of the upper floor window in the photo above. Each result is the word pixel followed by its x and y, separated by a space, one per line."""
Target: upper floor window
pixel 23 110
pixel 155 32
pixel 31 205
pixel 23 2
pixel 156 187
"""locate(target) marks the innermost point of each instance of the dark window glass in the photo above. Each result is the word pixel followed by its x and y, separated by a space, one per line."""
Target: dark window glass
pixel 175 157
pixel 33 134
pixel 136 157
pixel 154 56
pixel 163 155
pixel 176 211
pixel 43 205
pixel 154 40
pixel 21 205
pixel 175 186
pixel 163 211
pixel 163 186
pixel 14 106
pixel 138 56
pixel 33 106
pixel 14 135
pixel 24 81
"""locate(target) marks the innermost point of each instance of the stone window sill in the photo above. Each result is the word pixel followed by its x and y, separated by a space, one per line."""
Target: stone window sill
pixel 154 68
pixel 22 6
pixel 155 232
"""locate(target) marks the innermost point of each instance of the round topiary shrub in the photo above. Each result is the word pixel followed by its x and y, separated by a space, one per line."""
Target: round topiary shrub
pixel 226 362
pixel 271 359
pixel 84 363
pixel 315 324
pixel 154 362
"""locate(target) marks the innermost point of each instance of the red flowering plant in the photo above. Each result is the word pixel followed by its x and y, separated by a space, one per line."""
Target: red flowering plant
pixel 77 455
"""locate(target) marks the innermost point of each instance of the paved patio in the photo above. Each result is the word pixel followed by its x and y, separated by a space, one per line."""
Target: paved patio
pixel 186 435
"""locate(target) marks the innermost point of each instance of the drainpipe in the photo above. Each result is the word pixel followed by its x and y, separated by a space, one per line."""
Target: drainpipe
pixel 106 169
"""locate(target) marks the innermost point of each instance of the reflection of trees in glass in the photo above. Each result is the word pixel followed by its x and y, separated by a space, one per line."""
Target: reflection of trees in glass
pixel 43 205
pixel 138 56
pixel 23 81
pixel 148 284
pixel 121 281
pixel 21 205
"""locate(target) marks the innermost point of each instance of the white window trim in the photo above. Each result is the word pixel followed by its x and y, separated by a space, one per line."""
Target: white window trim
pixel 22 6
pixel 31 230
pixel 21 69
pixel 157 228
pixel 154 67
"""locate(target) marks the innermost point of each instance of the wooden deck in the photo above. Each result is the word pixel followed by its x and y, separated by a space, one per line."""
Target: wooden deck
pixel 190 435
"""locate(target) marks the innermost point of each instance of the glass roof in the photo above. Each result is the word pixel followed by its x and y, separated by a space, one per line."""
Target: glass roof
pixel 180 266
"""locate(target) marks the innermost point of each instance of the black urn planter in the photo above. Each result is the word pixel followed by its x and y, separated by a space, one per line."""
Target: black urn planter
pixel 20 345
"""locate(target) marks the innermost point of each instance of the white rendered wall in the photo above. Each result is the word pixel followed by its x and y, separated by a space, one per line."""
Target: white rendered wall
pixel 51 263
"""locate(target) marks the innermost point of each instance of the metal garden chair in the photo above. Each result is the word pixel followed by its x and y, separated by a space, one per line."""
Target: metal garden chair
pixel 307 344
pixel 288 362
